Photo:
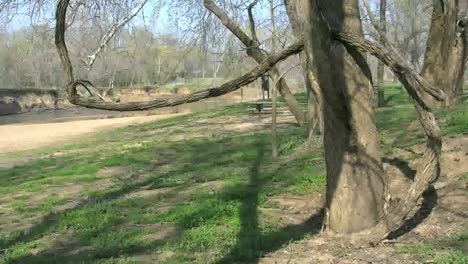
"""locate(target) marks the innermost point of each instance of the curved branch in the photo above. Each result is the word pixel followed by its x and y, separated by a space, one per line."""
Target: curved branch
pixel 397 211
pixel 174 100
pixel 267 64
pixel 407 75
pixel 233 85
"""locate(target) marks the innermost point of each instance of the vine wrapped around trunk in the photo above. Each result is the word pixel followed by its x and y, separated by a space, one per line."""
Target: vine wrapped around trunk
pixel 416 86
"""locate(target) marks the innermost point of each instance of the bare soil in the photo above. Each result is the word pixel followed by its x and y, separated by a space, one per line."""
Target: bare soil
pixel 442 212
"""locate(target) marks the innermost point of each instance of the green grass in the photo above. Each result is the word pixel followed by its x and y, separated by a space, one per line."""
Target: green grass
pixel 453 250
pixel 165 202
pixel 398 123
pixel 205 218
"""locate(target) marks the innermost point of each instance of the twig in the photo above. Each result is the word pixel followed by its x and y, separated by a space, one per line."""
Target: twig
pixel 111 32
pixel 371 17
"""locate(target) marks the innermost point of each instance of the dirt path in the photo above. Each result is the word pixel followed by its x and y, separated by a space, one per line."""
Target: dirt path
pixel 18 137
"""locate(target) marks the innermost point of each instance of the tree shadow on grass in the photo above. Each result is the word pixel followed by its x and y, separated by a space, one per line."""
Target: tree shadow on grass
pixel 251 244
pixel 194 167
pixel 403 166
pixel 429 201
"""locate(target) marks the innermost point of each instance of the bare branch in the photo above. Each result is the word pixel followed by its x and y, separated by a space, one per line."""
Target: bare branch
pixel 373 20
pixel 229 23
pixel 174 100
pixel 111 32
pixel 288 70
pixel 258 55
pixel 252 23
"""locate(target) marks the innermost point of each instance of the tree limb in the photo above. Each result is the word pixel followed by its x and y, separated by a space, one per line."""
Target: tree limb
pixel 387 54
pixel 229 23
pixel 74 98
pixel 183 99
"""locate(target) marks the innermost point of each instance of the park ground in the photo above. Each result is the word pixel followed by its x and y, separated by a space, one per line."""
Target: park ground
pixel 202 188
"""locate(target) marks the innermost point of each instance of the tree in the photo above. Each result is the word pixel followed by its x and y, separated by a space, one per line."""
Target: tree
pixel 331 35
pixel 446 50
pixel 354 173
pixel 274 114
pixel 351 151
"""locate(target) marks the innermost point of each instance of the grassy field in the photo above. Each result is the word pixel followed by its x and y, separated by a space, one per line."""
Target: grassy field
pixel 182 190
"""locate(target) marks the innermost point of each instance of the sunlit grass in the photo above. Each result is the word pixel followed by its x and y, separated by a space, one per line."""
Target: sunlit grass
pixel 199 199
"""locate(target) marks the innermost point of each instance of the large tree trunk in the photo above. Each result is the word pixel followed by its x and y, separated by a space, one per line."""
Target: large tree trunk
pixel 446 51
pixel 355 188
pixel 428 170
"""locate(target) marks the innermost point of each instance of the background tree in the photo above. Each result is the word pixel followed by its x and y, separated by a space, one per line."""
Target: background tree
pixel 446 52
pixel 381 67
pixel 254 50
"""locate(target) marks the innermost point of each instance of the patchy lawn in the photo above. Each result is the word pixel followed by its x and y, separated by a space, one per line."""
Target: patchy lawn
pixel 202 188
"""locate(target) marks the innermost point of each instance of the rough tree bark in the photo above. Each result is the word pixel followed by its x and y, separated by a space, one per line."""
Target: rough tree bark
pixel 71 84
pixel 314 105
pixel 446 51
pixel 258 55
pixel 357 201
pixel 428 171
pixel 355 188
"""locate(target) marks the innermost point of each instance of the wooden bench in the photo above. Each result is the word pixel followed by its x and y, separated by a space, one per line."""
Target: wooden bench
pixel 260 106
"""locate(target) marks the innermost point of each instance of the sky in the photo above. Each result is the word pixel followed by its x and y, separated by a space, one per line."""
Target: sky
pixel 161 25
